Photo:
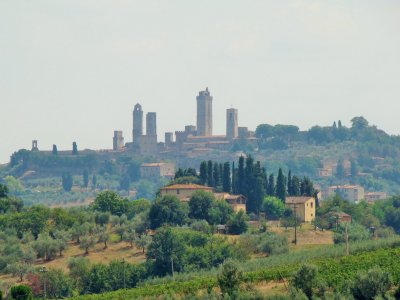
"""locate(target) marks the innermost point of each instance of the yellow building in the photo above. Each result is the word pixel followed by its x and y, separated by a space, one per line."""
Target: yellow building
pixel 184 191
pixel 303 206
pixel 237 202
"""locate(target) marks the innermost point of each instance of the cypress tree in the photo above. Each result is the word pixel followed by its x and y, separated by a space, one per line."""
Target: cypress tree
pixel 271 185
pixel 55 150
pixel 226 178
pixel 216 175
pixel 241 184
pixel 74 148
pixel 221 172
pixel 307 187
pixel 210 180
pixel 295 186
pixel 281 186
pixel 94 181
pixel 340 171
pixel 203 172
pixel 258 190
pixel 85 178
pixel 289 184
pixel 234 179
pixel 249 172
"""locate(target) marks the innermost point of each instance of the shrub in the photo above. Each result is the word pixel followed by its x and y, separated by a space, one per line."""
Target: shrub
pixel 306 279
pixel 21 292
pixel 229 278
pixel 238 223
pixel 372 284
pixel 272 243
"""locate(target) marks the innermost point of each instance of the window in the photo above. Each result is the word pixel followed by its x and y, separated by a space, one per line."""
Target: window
pixel 312 204
pixel 178 191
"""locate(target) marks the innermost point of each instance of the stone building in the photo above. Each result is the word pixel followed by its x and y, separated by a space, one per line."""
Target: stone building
pixel 204 113
pixel 304 207
pixel 231 123
pixel 118 141
pixel 35 145
pixel 156 171
pixel 352 193
pixel 184 191
pixel 169 139
pixel 137 130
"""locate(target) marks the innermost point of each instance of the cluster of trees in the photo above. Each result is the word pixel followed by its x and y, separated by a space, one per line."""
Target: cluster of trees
pixel 169 210
pixel 378 220
pixel 250 179
pixel 31 233
pixel 373 284
pixel 279 136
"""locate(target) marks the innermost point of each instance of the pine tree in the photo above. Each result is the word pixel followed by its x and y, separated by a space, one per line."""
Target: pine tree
pixel 281 186
pixel 203 172
pixel 210 180
pixel 226 178
pixel 271 185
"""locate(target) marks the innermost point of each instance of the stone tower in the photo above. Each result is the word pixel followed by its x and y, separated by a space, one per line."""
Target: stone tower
pixel 151 124
pixel 137 131
pixel 204 113
pixel 231 123
pixel 118 140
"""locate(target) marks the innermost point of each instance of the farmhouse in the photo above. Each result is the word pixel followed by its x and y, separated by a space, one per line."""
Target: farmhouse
pixel 184 191
pixel 304 207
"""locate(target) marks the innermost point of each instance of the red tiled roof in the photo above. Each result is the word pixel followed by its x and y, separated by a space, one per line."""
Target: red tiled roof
pixel 187 187
pixel 297 200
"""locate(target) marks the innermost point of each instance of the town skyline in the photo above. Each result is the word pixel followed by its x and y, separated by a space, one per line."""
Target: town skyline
pixel 83 67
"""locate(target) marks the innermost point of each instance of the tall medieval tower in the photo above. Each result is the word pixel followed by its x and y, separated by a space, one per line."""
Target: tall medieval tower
pixel 204 113
pixel 231 123
pixel 137 131
pixel 151 124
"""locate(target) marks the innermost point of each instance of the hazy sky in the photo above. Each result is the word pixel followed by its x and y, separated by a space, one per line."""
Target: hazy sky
pixel 72 70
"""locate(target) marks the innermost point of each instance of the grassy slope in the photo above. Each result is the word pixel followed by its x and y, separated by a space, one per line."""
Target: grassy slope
pixel 335 268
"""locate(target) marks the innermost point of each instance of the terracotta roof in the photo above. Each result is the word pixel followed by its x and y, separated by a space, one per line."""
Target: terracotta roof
pixel 187 187
pixel 153 165
pixel 297 200
pixel 341 214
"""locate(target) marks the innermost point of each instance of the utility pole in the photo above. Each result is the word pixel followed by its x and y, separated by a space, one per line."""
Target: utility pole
pixel 44 270
pixel 172 269
pixel 347 240
pixel 295 224
pixel 123 267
